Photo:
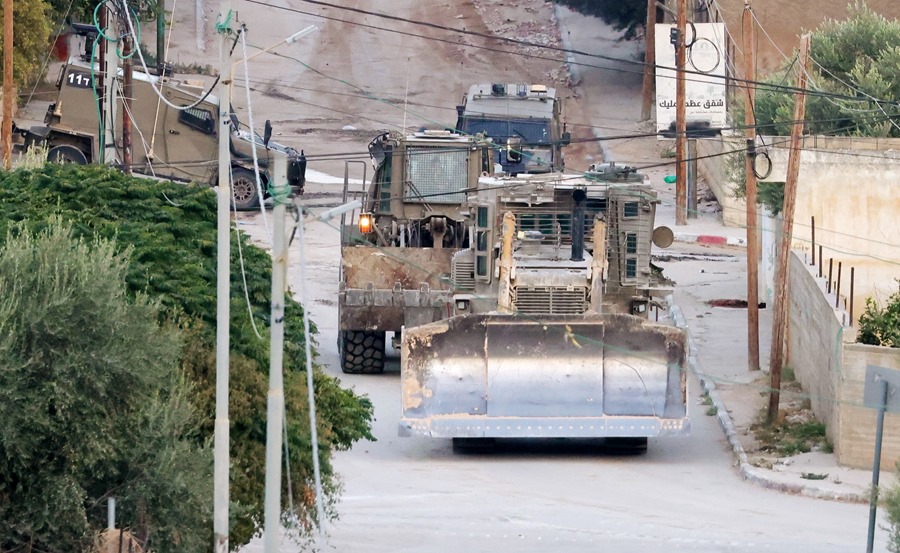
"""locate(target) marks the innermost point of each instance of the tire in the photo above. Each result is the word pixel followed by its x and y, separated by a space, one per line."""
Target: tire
pixel 633 446
pixel 243 189
pixel 473 445
pixel 362 351
pixel 66 154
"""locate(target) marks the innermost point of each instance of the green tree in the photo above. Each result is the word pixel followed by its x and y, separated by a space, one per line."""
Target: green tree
pixel 92 403
pixel 32 24
pixel 880 325
pixel 890 500
pixel 171 230
pixel 624 15
pixel 859 58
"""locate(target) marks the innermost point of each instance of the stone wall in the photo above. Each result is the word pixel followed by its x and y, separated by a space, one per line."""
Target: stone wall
pixel 856 447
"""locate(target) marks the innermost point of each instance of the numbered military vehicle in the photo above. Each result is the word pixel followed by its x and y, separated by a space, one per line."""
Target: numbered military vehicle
pixel 177 144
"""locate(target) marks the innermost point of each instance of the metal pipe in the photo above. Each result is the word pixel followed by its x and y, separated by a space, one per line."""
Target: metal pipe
pixel 876 466
pixel 813 226
pixel 830 267
pixel 111 513
pixel 852 278
pixel 578 198
pixel 821 261
pixel 837 287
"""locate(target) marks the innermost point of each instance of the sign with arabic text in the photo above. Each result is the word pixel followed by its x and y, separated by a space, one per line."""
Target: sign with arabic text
pixel 704 77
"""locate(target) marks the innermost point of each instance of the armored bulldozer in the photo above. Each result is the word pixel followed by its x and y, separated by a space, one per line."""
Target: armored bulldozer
pixel 177 144
pixel 520 304
pixel 522 120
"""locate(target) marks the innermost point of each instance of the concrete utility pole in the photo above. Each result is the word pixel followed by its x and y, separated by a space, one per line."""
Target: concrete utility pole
pixel 752 231
pixel 127 91
pixel 275 398
pixel 223 290
pixel 680 122
pixel 101 92
pixel 784 250
pixel 9 88
pixel 161 36
pixel 649 61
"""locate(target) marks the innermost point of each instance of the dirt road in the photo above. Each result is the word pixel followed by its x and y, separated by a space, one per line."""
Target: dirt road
pixel 335 90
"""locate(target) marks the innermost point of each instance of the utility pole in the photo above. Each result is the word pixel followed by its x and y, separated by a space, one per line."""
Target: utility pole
pixel 784 250
pixel 127 90
pixel 101 92
pixel 275 399
pixel 223 290
pixel 649 61
pixel 680 119
pixel 160 36
pixel 9 88
pixel 752 231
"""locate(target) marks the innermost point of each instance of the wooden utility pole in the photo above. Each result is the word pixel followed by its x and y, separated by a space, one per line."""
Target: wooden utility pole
pixel 680 119
pixel 649 61
pixel 9 88
pixel 752 231
pixel 784 250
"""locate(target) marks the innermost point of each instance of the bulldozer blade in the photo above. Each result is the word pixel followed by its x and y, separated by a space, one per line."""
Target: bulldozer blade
pixel 493 376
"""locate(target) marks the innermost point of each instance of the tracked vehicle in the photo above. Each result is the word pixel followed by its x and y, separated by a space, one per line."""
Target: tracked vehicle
pixel 520 304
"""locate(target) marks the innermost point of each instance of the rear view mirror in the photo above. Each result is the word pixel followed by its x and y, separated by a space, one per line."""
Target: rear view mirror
pixel 267 133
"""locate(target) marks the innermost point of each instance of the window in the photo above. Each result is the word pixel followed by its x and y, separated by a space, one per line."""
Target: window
pixel 631 209
pixel 631 243
pixel 199 119
pixel 482 217
pixel 481 266
pixel 631 268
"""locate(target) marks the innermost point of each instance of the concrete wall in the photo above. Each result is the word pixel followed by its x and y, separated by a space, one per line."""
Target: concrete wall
pixel 815 344
pixel 718 173
pixel 851 186
pixel 856 447
pixel 831 367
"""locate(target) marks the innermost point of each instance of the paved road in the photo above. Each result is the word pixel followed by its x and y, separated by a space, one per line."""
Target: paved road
pixel 414 494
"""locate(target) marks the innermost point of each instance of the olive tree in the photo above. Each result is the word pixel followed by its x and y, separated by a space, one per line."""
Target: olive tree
pixel 92 403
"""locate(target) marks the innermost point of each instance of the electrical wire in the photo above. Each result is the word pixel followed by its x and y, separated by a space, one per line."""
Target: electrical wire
pixel 259 191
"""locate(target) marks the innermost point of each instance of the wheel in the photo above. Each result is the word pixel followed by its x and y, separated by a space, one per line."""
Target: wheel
pixel 627 445
pixel 473 445
pixel 362 351
pixel 66 154
pixel 243 189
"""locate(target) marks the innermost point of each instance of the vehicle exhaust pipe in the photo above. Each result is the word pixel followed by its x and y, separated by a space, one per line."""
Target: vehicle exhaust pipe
pixel 578 197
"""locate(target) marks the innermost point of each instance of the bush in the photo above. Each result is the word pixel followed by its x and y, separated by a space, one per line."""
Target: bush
pixel 880 326
pixel 890 500
pixel 171 231
pixel 92 403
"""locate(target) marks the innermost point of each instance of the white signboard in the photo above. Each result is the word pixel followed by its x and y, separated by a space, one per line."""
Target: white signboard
pixel 704 82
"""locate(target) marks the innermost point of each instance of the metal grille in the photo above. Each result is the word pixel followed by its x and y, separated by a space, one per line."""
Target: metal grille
pixel 555 222
pixel 462 272
pixel 550 300
pixel 436 177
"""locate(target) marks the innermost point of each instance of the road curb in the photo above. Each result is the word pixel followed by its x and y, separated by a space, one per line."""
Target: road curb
pixel 747 471
pixel 711 239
